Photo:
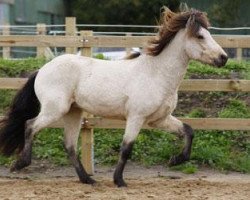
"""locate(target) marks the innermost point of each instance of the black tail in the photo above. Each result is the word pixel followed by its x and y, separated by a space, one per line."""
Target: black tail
pixel 25 106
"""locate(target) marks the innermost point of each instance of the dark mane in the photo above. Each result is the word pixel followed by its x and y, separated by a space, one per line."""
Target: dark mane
pixel 171 23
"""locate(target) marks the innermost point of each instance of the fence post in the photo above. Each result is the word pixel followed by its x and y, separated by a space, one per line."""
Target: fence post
pixel 87 133
pixel 41 30
pixel 129 49
pixel 239 53
pixel 86 51
pixel 70 30
pixel 6 50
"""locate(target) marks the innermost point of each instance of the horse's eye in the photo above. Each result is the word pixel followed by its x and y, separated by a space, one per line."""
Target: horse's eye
pixel 200 37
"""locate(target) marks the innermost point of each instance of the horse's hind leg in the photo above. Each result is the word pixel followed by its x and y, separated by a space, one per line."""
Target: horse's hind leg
pixel 172 124
pixel 25 156
pixel 50 113
pixel 72 126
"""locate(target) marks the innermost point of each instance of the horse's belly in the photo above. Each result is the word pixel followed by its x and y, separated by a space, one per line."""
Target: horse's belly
pixel 103 110
pixel 102 105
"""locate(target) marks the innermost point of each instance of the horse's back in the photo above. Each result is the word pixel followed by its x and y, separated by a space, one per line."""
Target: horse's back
pixel 97 86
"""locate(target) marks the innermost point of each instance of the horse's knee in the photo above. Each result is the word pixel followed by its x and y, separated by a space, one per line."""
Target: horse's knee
pixel 126 150
pixel 169 124
pixel 71 153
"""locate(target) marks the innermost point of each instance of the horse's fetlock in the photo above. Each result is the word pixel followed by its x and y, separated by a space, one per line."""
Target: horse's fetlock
pixel 20 164
pixel 88 180
pixel 120 182
pixel 178 159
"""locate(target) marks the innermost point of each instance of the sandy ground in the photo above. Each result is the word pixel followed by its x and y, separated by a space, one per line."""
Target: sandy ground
pixel 43 181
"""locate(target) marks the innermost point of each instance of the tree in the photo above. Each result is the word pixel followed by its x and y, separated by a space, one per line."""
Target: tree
pixel 225 13
pixel 120 11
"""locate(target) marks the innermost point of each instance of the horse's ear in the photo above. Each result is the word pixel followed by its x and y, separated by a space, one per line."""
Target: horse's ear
pixel 167 14
pixel 184 7
pixel 191 21
pixel 195 21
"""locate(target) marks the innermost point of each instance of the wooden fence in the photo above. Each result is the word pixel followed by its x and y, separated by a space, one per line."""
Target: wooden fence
pixel 72 40
pixel 85 41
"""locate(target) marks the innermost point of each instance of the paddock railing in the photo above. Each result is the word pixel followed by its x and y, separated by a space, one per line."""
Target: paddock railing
pixel 86 40
pixel 73 39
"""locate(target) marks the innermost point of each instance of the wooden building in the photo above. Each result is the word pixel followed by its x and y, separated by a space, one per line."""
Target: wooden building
pixel 26 12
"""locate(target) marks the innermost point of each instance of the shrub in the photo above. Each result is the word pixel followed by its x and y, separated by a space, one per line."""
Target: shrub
pixel 235 109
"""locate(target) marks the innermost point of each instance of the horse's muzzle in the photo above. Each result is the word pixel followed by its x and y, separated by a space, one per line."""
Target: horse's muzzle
pixel 221 61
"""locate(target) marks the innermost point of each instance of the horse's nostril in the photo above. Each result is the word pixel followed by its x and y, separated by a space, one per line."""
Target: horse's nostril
pixel 223 58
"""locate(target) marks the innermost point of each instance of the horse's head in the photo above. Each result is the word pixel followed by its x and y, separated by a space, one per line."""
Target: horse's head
pixel 199 44
pixel 195 38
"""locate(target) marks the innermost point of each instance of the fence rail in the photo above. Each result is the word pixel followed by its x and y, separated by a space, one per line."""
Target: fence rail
pixel 86 40
pixel 196 123
pixel 226 41
pixel 214 85
pixel 73 38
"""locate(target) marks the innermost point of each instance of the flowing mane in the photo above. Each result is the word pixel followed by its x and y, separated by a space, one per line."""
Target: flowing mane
pixel 171 23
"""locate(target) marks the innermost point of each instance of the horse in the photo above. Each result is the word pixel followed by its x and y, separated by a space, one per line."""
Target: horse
pixel 140 90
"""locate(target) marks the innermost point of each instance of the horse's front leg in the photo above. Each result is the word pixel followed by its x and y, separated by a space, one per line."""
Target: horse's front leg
pixel 132 130
pixel 172 124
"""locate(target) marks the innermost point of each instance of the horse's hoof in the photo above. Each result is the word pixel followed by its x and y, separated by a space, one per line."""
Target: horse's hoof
pixel 18 165
pixel 177 160
pixel 13 168
pixel 120 183
pixel 89 181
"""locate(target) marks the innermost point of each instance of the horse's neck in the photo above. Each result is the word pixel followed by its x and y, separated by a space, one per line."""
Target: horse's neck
pixel 172 63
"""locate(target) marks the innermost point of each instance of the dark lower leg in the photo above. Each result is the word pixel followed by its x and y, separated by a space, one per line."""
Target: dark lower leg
pixel 126 150
pixel 186 152
pixel 82 174
pixel 25 156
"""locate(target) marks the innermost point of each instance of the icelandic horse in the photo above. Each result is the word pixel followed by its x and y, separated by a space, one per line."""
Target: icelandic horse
pixel 142 90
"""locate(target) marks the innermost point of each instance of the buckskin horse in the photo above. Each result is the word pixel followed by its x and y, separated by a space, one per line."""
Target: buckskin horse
pixel 141 90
